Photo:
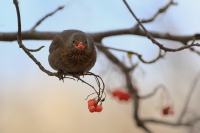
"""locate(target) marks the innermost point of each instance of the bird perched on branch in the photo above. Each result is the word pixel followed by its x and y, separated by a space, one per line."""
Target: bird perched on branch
pixel 72 52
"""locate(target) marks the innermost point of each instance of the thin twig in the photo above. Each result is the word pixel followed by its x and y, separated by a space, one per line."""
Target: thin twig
pixel 195 51
pixel 161 10
pixel 153 92
pixel 87 84
pixel 175 124
pixel 101 90
pixel 48 15
pixel 160 55
pixel 188 98
pixel 35 50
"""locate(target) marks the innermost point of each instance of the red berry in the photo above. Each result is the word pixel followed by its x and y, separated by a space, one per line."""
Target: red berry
pixel 121 95
pixel 115 93
pixel 92 109
pixel 90 104
pixel 167 110
pixel 90 100
pixel 95 102
pixel 99 108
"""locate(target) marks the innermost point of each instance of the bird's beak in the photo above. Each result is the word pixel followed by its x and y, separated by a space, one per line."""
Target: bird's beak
pixel 80 46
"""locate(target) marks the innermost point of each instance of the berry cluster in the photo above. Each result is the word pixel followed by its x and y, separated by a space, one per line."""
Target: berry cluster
pixel 121 95
pixel 167 110
pixel 93 106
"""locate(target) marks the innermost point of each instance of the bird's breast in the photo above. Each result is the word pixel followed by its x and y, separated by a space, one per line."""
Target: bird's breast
pixel 78 61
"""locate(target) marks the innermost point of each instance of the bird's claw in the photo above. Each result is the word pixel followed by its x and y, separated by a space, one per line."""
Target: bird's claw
pixel 61 75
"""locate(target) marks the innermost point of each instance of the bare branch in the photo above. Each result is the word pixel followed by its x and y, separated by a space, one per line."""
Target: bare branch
pixel 179 122
pixel 149 36
pixel 160 55
pixel 36 35
pixel 188 98
pixel 48 15
pixel 111 57
pixel 195 51
pixel 35 50
pixel 162 122
pixel 19 38
pixel 153 92
pixel 161 10
pixel 129 86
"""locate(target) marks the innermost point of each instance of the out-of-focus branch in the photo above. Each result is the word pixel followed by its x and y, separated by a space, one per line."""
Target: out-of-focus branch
pixel 48 15
pixel 175 124
pixel 179 122
pixel 153 92
pixel 129 86
pixel 28 35
pixel 195 51
pixel 111 57
pixel 188 98
pixel 160 55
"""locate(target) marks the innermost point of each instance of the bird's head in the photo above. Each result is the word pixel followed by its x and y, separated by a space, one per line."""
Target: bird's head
pixel 80 41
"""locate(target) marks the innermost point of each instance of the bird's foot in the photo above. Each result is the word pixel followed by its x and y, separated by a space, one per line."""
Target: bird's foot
pixel 61 75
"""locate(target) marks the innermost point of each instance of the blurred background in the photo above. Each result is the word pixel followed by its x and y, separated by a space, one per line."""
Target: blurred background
pixel 33 102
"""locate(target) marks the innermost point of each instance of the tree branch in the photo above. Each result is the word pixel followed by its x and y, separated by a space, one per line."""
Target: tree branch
pixel 48 15
pixel 19 38
pixel 153 92
pixel 160 55
pixel 161 122
pixel 149 36
pixel 161 10
pixel 35 50
pixel 188 98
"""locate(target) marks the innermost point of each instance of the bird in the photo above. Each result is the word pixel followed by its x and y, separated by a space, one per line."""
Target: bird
pixel 72 52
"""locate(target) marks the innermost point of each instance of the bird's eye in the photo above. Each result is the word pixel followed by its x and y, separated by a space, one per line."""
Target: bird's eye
pixel 73 42
pixel 85 42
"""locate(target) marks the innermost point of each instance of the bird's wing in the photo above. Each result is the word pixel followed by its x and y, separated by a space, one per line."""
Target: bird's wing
pixel 56 43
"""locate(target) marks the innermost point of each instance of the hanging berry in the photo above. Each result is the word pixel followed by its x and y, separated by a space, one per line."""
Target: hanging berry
pixel 93 106
pixel 167 110
pixel 121 95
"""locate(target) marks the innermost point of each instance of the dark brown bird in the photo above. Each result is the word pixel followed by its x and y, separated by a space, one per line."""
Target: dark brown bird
pixel 72 52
